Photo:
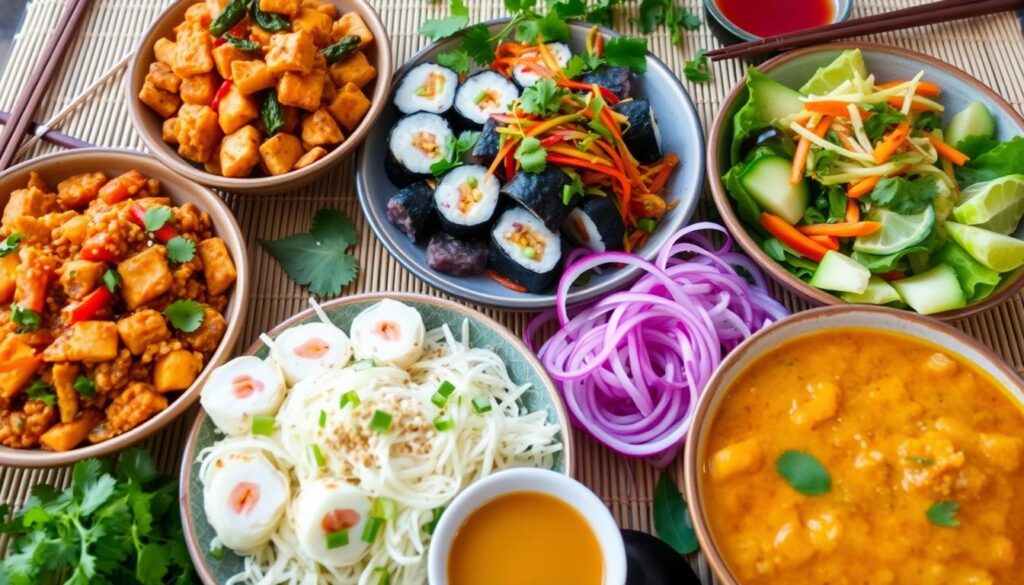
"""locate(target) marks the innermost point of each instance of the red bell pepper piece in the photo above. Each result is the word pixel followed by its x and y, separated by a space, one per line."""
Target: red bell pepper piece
pixel 89 306
pixel 510 164
pixel 222 92
pixel 122 187
pixel 164 233
pixel 101 247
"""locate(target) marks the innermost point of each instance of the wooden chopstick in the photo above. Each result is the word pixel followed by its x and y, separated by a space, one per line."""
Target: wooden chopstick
pixel 925 14
pixel 34 89
pixel 48 134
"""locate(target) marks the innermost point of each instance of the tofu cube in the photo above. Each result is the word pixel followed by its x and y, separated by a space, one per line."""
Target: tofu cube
pixel 77 191
pixel 162 102
pixel 353 69
pixel 301 91
pixel 225 55
pixel 212 166
pixel 325 7
pixel 240 152
pixel 74 229
pixel 176 370
pixel 80 277
pixel 312 155
pixel 210 332
pixel 314 22
pixel 12 380
pixel 252 76
pixel 352 24
pixel 280 6
pixel 198 132
pixel 218 268
pixel 161 76
pixel 236 109
pixel 260 35
pixel 164 50
pixel 63 380
pixel 199 14
pixel 85 341
pixel 291 52
pixel 280 153
pixel 193 54
pixel 200 89
pixel 66 435
pixel 31 202
pixel 169 130
pixel 142 329
pixel 145 276
pixel 349 106
pixel 320 129
pixel 741 457
pixel 1004 451
pixel 292 118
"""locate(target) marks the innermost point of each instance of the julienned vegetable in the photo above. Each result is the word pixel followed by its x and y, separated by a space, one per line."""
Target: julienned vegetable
pixel 850 183
pixel 630 366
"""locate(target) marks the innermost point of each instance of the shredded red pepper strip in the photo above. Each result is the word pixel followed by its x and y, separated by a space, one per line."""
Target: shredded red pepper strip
pixel 606 93
pixel 627 190
pixel 505 282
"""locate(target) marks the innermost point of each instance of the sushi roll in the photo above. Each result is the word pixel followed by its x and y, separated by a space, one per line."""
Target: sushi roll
pixel 643 138
pixel 450 255
pixel 415 143
pixel 596 224
pixel 466 198
pixel 525 251
pixel 618 80
pixel 322 512
pixel 526 77
pixel 488 144
pixel 542 193
pixel 483 94
pixel 241 389
pixel 389 333
pixel 309 348
pixel 245 498
pixel 412 211
pixel 426 88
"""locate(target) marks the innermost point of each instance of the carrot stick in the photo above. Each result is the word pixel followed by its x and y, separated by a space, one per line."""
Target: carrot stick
pixel 803 149
pixel 896 101
pixel 852 211
pixel 892 142
pixel 507 148
pixel 841 230
pixel 505 282
pixel 670 162
pixel 948 152
pixel 862 187
pixel 791 237
pixel 947 167
pixel 924 88
pixel 828 241
pixel 833 108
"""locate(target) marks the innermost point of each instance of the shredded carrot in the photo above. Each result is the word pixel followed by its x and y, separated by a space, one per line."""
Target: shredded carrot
pixel 947 152
pixel 627 190
pixel 924 88
pixel 841 230
pixel 862 187
pixel 833 108
pixel 947 167
pixel 31 361
pixel 598 43
pixel 896 101
pixel 667 165
pixel 827 241
pixel 510 144
pixel 844 137
pixel 549 59
pixel 885 149
pixel 505 282
pixel 576 153
pixel 852 211
pixel 791 237
pixel 648 205
pixel 803 149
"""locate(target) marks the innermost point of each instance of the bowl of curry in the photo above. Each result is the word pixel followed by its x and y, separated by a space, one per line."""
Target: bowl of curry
pixel 856 445
pixel 121 286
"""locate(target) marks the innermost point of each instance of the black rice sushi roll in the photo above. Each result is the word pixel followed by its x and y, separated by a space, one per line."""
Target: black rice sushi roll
pixel 415 143
pixel 618 80
pixel 542 193
pixel 526 77
pixel 412 211
pixel 525 251
pixel 481 95
pixel 488 144
pixel 428 87
pixel 466 199
pixel 643 138
pixel 596 224
pixel 450 255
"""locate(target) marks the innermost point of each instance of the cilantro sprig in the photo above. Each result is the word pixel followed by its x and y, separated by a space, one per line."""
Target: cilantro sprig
pixel 698 69
pixel 39 390
pixel 10 244
pixel 319 258
pixel 26 319
pixel 185 315
pixel 904 196
pixel 944 514
pixel 457 147
pixel 654 13
pixel 180 250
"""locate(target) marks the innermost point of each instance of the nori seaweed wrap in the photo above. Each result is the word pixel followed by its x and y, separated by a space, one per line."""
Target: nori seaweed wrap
pixel 450 255
pixel 643 137
pixel 541 194
pixel 618 80
pixel 525 251
pixel 488 145
pixel 596 224
pixel 412 211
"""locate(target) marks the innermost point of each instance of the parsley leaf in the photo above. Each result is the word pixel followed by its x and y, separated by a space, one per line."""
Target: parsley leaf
pixel 577 65
pixel 180 250
pixel 10 243
pixel 242 44
pixel 477 43
pixel 185 315
pixel 156 217
pixel 803 473
pixel 531 155
pixel 665 12
pixel 543 98
pixel 672 519
pixel 601 11
pixel 883 116
pixel 944 514
pixel 977 145
pixel 457 147
pixel 318 258
pixel 440 28
pixel 627 52
pixel 26 319
pixel 85 386
pixel 39 390
pixel 904 196
pixel 458 8
pixel 111 279
pixel 456 60
pixel 698 69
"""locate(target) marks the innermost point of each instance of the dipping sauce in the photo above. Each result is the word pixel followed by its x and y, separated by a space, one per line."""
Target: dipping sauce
pixel 525 538
pixel 765 18
pixel 923 450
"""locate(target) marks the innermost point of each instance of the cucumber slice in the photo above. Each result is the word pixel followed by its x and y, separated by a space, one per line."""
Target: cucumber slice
pixel 840 273
pixel 767 181
pixel 932 292
pixel 771 99
pixel 974 120
pixel 879 292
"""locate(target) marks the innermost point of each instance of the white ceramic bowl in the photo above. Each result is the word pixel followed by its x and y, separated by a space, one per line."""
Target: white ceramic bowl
pixel 563 487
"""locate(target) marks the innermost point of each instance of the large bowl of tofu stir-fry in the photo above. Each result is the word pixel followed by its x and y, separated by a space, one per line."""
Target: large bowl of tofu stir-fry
pixel 121 285
pixel 259 96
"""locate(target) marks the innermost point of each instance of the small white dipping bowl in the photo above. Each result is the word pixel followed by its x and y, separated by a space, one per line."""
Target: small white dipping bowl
pixel 566 489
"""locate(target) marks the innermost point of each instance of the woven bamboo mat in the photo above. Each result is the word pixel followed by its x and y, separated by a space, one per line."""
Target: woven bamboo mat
pixel 991 49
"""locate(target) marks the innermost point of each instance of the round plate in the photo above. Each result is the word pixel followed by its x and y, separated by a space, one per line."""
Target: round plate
pixel 681 133
pixel 523 367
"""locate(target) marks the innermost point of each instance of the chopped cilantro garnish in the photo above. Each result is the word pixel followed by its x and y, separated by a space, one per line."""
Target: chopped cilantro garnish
pixel 111 279
pixel 531 155
pixel 944 514
pixel 185 315
pixel 10 243
pixel 319 258
pixel 26 319
pixel 180 250
pixel 698 69
pixel 39 390
pixel 155 217
pixel 85 386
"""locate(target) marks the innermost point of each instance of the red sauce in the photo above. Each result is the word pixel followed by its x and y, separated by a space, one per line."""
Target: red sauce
pixel 765 18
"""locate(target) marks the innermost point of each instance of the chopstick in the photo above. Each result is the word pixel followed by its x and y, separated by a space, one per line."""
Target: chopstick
pixel 38 131
pixel 925 14
pixel 38 81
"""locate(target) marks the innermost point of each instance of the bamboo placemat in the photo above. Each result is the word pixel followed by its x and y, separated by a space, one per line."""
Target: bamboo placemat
pixel 992 49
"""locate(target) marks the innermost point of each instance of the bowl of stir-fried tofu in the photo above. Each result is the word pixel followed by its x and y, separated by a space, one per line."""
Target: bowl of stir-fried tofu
pixel 259 96
pixel 121 285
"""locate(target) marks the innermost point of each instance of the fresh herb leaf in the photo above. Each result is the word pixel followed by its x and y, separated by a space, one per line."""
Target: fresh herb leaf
pixel 575 66
pixel 597 104
pixel 672 519
pixel 477 43
pixel 774 248
pixel 627 52
pixel 457 147
pixel 803 473
pixel 440 28
pixel 111 279
pixel 543 98
pixel 39 390
pixel 531 155
pixel 977 145
pixel 928 121
pixel 85 386
pixel 458 8
pixel 231 15
pixel 601 11
pixel 271 113
pixel 552 26
pixel 456 60
pixel 156 217
pixel 922 461
pixel 570 8
pixel 884 116
pixel 185 315
pixel 573 189
pixel 269 21
pixel 904 196
pixel 944 514
pixel 345 46
pixel 10 243
pixel 698 69
pixel 319 258
pixel 242 44
pixel 1005 159
pixel 180 250
pixel 26 319
pixel 665 12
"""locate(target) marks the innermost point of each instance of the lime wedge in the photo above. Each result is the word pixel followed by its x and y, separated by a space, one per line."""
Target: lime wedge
pixel 995 205
pixel 834 74
pixel 998 252
pixel 898 232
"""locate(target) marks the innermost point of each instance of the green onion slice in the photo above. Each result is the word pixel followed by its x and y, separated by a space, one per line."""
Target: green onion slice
pixel 349 397
pixel 318 455
pixel 263 425
pixel 384 508
pixel 481 404
pixel 381 422
pixel 364 364
pixel 383 576
pixel 446 389
pixel 323 419
pixel 217 552
pixel 646 224
pixel 336 539
pixel 444 423
pixel 371 529
pixel 432 525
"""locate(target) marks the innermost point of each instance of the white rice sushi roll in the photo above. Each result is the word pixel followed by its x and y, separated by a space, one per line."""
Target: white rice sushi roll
pixel 596 224
pixel 466 199
pixel 306 349
pixel 328 517
pixel 428 87
pixel 241 389
pixel 525 251
pixel 244 498
pixel 415 143
pixel 483 94
pixel 526 77
pixel 390 333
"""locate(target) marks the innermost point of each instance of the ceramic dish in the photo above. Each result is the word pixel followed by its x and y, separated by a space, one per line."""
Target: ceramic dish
pixel 55 167
pixel 484 332
pixel 817 321
pixel 795 68
pixel 841 10
pixel 681 133
pixel 148 124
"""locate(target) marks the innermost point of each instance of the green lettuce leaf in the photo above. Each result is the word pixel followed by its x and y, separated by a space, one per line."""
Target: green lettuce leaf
pixel 978 281
pixel 1005 159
